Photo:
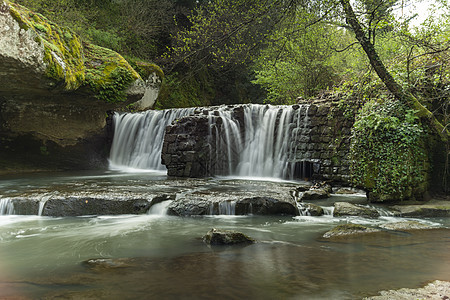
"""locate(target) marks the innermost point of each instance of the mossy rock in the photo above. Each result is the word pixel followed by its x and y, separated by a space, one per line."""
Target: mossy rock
pixel 63 51
pixel 108 74
pixel 71 64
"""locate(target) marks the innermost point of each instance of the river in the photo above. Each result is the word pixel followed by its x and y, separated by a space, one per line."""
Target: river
pixel 158 256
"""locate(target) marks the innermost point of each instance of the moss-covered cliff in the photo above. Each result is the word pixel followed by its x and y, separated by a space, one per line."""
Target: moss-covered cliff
pixel 56 92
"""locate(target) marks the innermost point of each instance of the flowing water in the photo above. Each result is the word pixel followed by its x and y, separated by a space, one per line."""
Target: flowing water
pixel 160 256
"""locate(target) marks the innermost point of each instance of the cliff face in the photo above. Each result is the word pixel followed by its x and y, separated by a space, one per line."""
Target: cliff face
pixel 55 93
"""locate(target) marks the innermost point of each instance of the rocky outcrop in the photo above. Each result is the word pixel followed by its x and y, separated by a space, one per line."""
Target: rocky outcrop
pixel 56 91
pixel 348 230
pixel 344 209
pixel 226 237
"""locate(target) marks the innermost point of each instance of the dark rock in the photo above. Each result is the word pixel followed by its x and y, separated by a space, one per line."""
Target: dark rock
pixel 265 206
pixel 343 209
pixel 348 229
pixel 79 206
pixel 226 237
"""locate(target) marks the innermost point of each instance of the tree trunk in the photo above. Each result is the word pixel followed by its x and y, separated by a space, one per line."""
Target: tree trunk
pixel 386 77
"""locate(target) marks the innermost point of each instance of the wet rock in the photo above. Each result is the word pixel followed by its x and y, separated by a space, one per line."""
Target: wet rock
pixel 189 207
pixel 406 225
pixel 75 206
pixel 226 237
pixel 197 206
pixel 343 209
pixel 348 229
pixel 436 290
pixel 429 210
pixel 265 206
pixel 308 209
pixel 314 194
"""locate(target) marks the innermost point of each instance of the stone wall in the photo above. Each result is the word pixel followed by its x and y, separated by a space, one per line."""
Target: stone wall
pixel 322 150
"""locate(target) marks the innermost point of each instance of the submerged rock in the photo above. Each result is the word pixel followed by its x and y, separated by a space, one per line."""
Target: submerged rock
pixel 349 229
pixel 405 225
pixel 226 237
pixel 343 209
pixel 436 290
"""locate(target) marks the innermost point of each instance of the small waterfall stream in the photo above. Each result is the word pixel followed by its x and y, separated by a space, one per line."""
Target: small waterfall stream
pixel 246 141
pixel 6 207
pixel 138 138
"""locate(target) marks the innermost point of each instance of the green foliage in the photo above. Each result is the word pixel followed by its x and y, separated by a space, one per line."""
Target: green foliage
pixel 297 64
pixel 187 92
pixel 388 154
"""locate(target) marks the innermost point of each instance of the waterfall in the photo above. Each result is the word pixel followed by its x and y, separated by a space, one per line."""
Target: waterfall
pixel 263 146
pixel 6 207
pixel 138 138
pixel 244 140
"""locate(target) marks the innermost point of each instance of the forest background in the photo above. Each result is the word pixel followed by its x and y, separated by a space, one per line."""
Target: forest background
pixel 277 51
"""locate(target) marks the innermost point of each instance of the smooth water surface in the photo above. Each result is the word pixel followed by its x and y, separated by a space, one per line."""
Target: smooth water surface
pixel 163 257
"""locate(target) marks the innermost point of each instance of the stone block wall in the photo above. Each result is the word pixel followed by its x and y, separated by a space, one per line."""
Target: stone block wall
pixel 321 151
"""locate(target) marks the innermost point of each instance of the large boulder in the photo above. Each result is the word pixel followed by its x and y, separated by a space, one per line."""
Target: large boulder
pixel 55 93
pixel 226 237
pixel 344 209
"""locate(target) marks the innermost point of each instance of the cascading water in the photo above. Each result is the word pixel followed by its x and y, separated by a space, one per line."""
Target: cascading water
pixel 6 207
pixel 138 138
pixel 245 140
pixel 265 146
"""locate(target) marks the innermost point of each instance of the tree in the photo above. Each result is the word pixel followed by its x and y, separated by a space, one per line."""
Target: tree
pixel 391 84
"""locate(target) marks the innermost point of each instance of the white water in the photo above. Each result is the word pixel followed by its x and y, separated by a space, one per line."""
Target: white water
pixel 269 144
pixel 138 138
pixel 265 145
pixel 159 209
pixel 6 207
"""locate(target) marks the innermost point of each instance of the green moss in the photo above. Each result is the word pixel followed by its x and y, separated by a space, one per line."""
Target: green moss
pixel 72 63
pixel 145 69
pixel 62 48
pixel 108 74
pixel 16 15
